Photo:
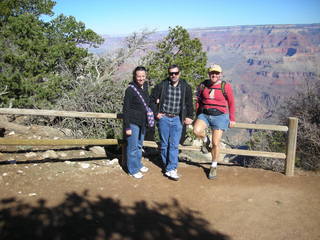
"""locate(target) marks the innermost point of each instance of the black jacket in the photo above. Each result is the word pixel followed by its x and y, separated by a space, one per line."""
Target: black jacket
pixel 160 92
pixel 133 109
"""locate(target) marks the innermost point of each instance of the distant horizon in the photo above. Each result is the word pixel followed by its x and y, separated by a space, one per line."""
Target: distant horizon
pixel 123 17
pixel 203 28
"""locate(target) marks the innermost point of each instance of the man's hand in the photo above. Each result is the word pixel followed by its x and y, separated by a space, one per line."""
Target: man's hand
pixel 188 121
pixel 231 124
pixel 128 132
pixel 160 115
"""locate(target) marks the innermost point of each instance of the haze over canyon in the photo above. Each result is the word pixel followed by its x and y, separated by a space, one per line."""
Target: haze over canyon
pixel 265 63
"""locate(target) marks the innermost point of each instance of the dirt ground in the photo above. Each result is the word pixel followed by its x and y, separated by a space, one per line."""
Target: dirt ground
pixel 93 198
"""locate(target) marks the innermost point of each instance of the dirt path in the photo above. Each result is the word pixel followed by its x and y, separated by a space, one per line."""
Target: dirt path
pixel 64 200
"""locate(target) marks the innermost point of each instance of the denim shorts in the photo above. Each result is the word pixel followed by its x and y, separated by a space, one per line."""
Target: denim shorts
pixel 216 122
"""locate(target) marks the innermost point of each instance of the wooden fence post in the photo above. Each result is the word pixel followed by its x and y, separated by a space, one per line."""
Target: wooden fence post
pixel 291 145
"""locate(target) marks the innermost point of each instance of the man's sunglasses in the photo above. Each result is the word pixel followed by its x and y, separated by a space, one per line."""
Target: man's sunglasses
pixel 214 72
pixel 173 73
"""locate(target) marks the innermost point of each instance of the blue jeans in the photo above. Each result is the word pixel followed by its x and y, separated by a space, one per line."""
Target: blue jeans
pixel 134 149
pixel 170 133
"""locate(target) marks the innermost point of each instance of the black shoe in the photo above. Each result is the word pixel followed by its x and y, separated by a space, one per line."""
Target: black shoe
pixel 205 148
pixel 212 173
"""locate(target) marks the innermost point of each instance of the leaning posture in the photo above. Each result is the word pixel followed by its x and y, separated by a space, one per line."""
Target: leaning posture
pixel 215 109
pixel 136 100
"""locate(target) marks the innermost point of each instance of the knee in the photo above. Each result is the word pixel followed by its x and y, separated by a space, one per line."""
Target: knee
pixel 174 146
pixel 198 132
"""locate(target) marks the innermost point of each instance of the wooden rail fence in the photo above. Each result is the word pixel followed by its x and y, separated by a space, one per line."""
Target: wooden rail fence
pixel 289 156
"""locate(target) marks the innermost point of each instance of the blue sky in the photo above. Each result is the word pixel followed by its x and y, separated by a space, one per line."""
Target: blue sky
pixel 125 16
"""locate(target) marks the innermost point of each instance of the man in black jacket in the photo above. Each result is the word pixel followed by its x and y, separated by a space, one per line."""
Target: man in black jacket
pixel 171 101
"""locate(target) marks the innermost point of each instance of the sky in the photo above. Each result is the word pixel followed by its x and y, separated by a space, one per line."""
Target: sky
pixel 123 17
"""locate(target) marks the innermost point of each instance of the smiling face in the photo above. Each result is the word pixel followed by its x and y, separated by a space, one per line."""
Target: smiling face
pixel 215 76
pixel 140 78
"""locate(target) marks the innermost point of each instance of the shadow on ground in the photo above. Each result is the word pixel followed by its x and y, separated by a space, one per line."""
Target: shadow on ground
pixel 78 217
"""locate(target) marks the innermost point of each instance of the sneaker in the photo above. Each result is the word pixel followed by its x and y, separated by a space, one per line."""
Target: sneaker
pixel 212 173
pixel 205 148
pixel 137 175
pixel 144 169
pixel 173 174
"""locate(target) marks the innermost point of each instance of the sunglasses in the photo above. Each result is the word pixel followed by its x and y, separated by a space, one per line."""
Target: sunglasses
pixel 214 72
pixel 173 73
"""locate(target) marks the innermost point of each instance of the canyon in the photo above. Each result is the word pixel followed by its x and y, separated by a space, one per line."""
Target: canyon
pixel 265 63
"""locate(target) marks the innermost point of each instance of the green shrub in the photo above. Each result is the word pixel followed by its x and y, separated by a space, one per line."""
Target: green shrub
pixel 305 105
pixel 268 141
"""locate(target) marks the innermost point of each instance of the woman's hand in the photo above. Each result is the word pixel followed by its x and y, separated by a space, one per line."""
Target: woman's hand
pixel 232 124
pixel 128 132
pixel 187 121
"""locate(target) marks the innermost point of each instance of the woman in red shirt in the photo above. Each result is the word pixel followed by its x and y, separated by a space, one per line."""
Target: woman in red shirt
pixel 215 109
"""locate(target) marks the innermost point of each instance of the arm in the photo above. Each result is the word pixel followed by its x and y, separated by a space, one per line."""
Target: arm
pixel 231 104
pixel 189 105
pixel 155 98
pixel 126 110
pixel 198 98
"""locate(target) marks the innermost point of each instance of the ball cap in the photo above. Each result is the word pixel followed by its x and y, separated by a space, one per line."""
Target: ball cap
pixel 215 68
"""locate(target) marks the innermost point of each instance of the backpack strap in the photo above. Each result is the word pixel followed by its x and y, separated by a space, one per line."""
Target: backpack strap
pixel 223 90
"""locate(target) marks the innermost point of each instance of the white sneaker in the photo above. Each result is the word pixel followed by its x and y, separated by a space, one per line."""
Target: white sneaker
pixel 173 174
pixel 137 175
pixel 144 169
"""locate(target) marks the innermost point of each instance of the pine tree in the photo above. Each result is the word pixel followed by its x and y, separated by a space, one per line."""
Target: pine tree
pixel 34 53
pixel 177 48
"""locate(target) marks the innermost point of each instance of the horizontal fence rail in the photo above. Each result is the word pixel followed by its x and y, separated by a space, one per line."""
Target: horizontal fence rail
pixel 227 151
pixel 289 156
pixel 262 127
pixel 73 114
pixel 57 142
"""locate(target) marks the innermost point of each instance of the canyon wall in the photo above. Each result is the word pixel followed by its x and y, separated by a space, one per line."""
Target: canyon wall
pixel 265 63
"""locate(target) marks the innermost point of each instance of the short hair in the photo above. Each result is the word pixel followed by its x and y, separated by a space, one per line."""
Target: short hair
pixel 173 66
pixel 139 68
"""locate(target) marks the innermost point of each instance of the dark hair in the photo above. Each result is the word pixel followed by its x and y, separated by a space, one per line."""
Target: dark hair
pixel 173 66
pixel 139 68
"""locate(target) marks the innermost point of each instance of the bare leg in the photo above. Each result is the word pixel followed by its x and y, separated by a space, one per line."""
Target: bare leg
pixel 199 128
pixel 216 137
pixel 215 152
